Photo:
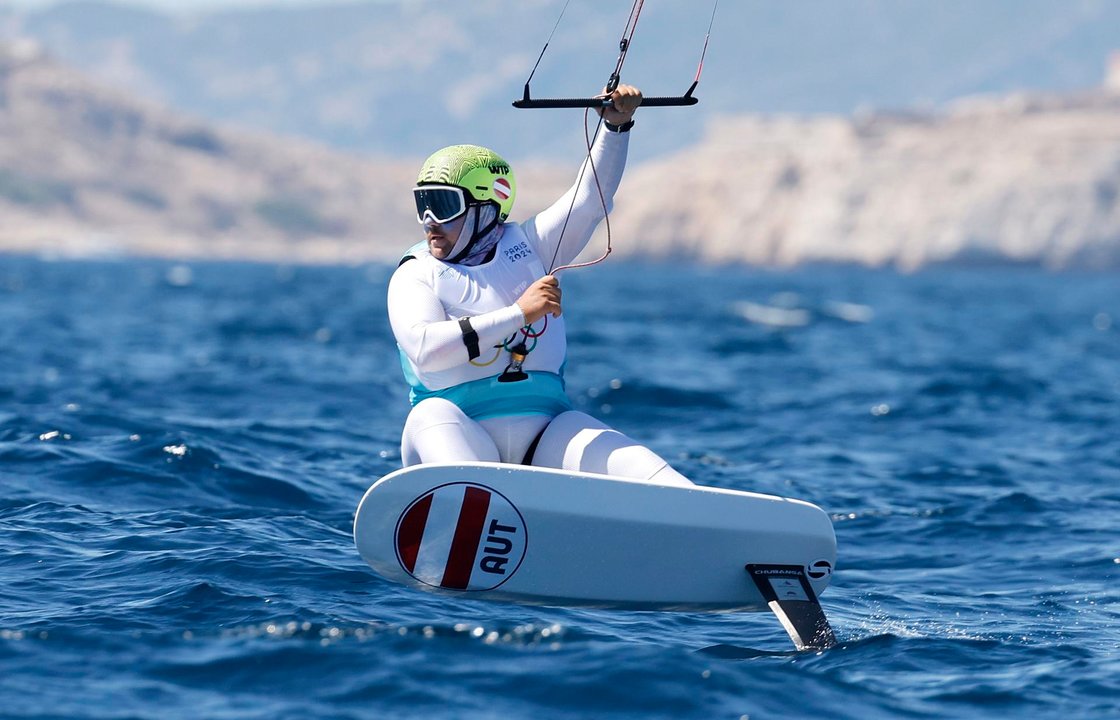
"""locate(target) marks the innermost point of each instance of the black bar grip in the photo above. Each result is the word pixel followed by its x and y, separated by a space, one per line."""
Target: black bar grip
pixel 531 103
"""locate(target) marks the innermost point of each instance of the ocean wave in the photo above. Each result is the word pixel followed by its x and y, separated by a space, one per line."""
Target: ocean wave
pixel 180 467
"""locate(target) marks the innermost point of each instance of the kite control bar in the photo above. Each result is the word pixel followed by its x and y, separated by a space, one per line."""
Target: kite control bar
pixel 527 102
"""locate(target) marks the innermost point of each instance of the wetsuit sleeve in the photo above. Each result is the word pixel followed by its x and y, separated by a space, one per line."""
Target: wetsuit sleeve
pixel 431 339
pixel 608 157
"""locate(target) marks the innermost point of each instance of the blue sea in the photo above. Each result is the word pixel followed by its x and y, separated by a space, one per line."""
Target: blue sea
pixel 182 447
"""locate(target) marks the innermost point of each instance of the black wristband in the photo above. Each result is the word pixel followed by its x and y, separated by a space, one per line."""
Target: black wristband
pixel 470 338
pixel 624 127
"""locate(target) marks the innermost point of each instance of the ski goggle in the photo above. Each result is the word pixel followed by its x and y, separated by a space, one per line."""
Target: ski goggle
pixel 443 203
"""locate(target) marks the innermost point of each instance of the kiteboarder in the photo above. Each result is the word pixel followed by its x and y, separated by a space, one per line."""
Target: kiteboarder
pixel 477 316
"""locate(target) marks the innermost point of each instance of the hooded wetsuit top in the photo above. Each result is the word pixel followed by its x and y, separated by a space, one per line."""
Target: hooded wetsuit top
pixel 428 297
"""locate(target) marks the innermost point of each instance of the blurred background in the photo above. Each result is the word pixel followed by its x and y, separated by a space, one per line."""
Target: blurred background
pixel 879 132
pixel 183 442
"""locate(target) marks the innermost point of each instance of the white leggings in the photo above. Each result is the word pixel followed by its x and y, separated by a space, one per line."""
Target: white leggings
pixel 437 431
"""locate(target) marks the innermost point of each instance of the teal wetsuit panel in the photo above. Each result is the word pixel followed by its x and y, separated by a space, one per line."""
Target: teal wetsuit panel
pixel 542 393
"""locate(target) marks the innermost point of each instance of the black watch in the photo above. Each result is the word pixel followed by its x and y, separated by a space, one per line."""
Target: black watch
pixel 624 127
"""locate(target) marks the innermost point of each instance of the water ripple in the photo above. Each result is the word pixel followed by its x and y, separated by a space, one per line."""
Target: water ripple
pixel 179 470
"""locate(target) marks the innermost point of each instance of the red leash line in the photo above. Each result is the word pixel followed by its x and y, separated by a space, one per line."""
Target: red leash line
pixel 588 139
pixel 624 49
pixel 707 36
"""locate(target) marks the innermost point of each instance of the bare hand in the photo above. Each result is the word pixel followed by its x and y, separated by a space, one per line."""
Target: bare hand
pixel 624 102
pixel 542 298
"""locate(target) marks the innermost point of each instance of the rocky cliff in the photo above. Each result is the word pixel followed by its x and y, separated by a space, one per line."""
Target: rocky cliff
pixel 85 170
pixel 394 77
pixel 1017 179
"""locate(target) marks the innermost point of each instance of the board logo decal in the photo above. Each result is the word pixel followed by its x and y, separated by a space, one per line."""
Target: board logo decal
pixel 461 536
pixel 819 569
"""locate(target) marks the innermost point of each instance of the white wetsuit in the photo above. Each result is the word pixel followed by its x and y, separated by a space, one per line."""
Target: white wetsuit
pixel 461 411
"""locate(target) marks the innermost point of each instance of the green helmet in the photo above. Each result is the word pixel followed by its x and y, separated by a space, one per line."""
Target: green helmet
pixel 481 172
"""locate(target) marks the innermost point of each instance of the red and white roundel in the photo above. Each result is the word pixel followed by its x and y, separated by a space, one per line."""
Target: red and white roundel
pixel 461 536
pixel 502 189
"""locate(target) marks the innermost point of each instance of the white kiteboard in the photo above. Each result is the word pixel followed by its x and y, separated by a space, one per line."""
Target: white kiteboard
pixel 539 536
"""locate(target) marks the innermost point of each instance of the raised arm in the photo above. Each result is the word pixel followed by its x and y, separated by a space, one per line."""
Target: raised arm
pixel 553 227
